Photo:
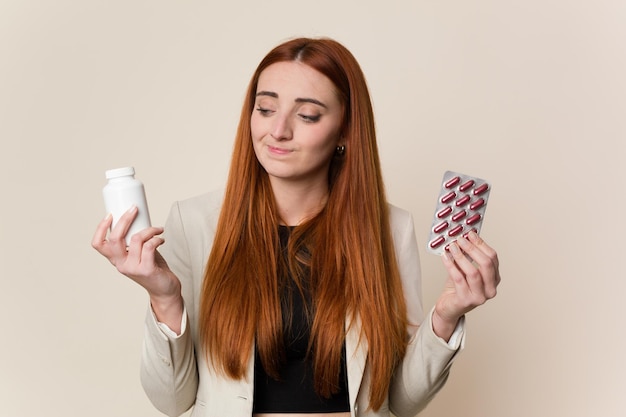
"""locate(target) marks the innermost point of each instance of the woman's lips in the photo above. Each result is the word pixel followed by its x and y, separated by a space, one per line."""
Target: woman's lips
pixel 278 151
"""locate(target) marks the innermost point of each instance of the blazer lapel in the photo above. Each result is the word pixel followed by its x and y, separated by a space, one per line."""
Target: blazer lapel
pixel 356 357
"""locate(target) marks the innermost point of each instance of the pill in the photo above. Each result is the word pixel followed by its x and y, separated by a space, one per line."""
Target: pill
pixel 466 185
pixel 437 242
pixel 444 212
pixel 477 204
pixel 481 189
pixel 441 226
pixel 473 219
pixel 462 201
pixel 448 197
pixel 452 182
pixel 455 231
pixel 458 216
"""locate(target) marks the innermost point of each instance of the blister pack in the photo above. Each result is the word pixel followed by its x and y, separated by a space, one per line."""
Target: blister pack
pixel 460 209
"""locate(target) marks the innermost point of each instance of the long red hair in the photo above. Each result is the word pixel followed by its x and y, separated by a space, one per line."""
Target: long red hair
pixel 351 258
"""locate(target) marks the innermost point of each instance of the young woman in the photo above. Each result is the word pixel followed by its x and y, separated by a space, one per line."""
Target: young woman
pixel 296 291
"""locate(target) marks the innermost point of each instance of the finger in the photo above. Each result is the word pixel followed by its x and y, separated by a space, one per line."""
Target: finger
pixel 472 273
pixel 455 273
pixel 484 248
pixel 99 238
pixel 117 236
pixel 117 240
pixel 487 260
pixel 149 252
pixel 137 248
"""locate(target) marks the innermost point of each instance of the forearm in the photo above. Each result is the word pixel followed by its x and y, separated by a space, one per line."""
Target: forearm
pixel 169 373
pixel 424 369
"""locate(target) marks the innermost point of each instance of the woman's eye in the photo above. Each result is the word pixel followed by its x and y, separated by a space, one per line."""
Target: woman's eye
pixel 263 111
pixel 310 118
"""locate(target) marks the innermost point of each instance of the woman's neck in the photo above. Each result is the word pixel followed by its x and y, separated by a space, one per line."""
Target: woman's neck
pixel 299 202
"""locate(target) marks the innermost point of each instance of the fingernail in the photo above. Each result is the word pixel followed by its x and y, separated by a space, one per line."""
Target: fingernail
pixel 132 208
pixel 454 248
pixel 445 256
pixel 462 242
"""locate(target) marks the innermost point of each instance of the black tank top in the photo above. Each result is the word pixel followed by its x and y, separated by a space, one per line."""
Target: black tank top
pixel 294 392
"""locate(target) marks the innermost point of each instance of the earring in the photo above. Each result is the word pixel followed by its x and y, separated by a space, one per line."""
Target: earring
pixel 341 149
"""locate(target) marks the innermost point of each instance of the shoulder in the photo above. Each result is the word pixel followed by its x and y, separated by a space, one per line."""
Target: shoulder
pixel 398 214
pixel 403 233
pixel 208 201
pixel 190 228
pixel 198 213
pixel 207 205
pixel 401 222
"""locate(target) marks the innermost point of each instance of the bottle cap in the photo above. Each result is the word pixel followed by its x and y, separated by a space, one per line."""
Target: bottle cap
pixel 119 172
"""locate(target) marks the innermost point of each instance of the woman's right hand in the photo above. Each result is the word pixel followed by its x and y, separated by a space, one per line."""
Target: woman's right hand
pixel 142 263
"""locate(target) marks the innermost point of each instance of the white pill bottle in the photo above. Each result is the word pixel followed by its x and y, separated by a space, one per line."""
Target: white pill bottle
pixel 123 191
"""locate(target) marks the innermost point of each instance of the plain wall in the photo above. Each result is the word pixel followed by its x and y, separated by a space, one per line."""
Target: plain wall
pixel 529 94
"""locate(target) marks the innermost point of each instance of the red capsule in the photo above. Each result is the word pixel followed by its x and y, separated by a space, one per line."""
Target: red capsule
pixel 440 227
pixel 481 189
pixel 444 212
pixel 466 185
pixel 437 242
pixel 448 197
pixel 458 216
pixel 455 231
pixel 475 218
pixel 462 201
pixel 477 204
pixel 452 182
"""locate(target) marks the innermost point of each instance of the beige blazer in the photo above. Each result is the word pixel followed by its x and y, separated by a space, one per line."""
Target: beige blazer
pixel 174 372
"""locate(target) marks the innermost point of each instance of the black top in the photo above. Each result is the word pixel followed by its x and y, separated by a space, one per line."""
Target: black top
pixel 294 391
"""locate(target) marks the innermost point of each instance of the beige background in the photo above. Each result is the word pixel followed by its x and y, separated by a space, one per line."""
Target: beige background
pixel 530 94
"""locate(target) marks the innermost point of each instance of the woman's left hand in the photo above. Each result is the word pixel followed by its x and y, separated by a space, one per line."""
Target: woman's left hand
pixel 473 278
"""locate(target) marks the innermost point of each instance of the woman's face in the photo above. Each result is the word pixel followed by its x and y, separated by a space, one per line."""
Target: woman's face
pixel 295 123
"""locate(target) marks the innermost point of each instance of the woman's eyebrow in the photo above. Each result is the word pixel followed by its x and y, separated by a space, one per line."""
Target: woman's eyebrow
pixel 267 93
pixel 298 100
pixel 311 100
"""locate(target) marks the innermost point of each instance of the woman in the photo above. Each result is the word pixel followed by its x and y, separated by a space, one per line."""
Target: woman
pixel 297 290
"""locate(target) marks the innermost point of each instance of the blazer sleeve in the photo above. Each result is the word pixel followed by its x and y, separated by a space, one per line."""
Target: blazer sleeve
pixel 426 364
pixel 169 373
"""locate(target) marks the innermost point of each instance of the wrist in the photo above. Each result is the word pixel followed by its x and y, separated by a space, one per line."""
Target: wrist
pixel 168 310
pixel 443 326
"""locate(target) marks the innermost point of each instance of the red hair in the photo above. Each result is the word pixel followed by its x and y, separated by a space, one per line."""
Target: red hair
pixel 352 264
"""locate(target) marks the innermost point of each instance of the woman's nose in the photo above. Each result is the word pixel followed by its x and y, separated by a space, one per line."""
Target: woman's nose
pixel 281 128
